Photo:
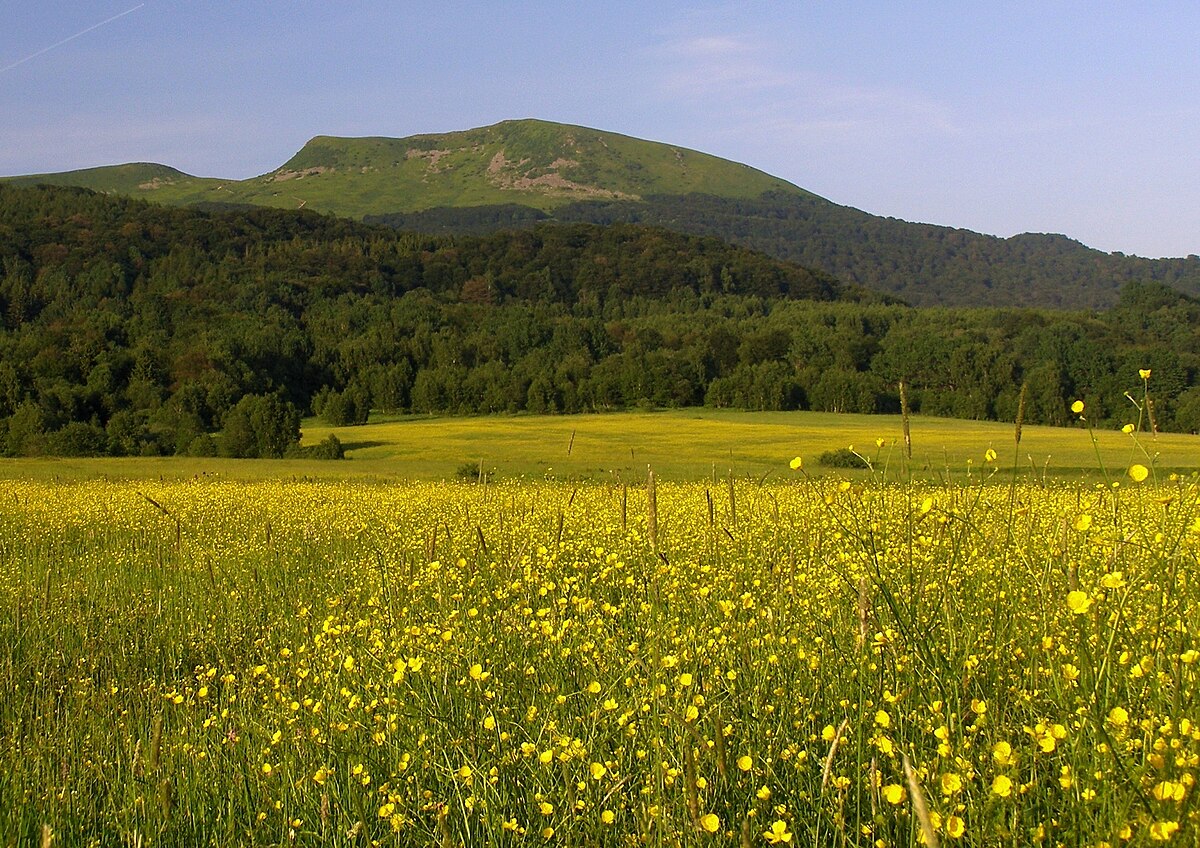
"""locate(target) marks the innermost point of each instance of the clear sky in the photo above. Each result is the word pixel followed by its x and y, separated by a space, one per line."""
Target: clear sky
pixel 1080 118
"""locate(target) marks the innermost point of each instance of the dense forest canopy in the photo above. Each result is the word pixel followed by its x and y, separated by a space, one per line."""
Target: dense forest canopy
pixel 922 264
pixel 130 328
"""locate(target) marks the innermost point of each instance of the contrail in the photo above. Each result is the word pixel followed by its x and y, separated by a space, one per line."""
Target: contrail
pixel 71 38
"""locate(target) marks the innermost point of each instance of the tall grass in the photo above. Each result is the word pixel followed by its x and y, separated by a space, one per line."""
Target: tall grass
pixel 848 663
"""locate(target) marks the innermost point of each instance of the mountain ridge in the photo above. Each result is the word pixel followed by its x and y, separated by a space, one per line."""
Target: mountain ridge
pixel 519 172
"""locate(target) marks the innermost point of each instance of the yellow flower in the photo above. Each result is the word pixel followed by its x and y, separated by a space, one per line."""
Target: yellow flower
pixel 1002 786
pixel 547 832
pixel 1170 790
pixel 1161 831
pixel 710 823
pixel 1144 373
pixel 955 827
pixel 883 719
pixel 1002 753
pixel 1077 407
pixel 893 793
pixel 1114 580
pixel 593 688
pixel 546 808
pixel 1083 522
pixel 777 833
pixel 796 464
pixel 1118 717
pixel 1128 429
pixel 951 783
pixel 745 763
pixel 1138 473
pixel 598 770
pixel 989 455
pixel 608 817
pixel 1078 602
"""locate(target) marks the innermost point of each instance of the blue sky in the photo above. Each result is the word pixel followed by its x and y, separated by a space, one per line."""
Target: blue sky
pixel 1002 117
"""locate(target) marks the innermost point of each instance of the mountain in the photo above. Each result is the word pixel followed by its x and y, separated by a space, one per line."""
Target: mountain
pixel 520 173
pixel 537 164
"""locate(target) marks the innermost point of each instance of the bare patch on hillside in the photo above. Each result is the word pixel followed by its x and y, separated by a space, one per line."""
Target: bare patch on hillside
pixel 431 157
pixel 157 182
pixel 507 174
pixel 284 176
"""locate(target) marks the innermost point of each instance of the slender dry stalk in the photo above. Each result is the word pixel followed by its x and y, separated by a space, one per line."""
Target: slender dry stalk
pixel 904 420
pixel 47 836
pixel 166 798
pixel 833 746
pixel 1021 411
pixel 1153 417
pixel 864 610
pixel 689 776
pixel 156 742
pixel 875 781
pixel 719 743
pixel 732 502
pixel 918 801
pixel 652 510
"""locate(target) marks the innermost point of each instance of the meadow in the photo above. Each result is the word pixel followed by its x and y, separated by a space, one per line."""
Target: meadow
pixel 681 445
pixel 899 657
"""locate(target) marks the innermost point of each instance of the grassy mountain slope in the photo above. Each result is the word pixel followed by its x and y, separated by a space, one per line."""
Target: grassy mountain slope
pixel 137 179
pixel 534 163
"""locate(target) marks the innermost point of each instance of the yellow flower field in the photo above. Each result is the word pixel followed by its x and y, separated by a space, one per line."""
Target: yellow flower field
pixel 804 662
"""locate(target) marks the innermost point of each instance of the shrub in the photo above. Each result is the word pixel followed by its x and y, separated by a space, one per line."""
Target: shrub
pixel 328 448
pixel 842 458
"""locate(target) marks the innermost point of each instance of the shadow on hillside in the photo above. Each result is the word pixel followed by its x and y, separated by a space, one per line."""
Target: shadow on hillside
pixel 353 446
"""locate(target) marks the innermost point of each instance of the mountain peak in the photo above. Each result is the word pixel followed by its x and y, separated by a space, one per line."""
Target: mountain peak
pixel 529 161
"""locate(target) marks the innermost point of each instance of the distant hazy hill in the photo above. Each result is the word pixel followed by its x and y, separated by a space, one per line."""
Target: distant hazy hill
pixel 517 173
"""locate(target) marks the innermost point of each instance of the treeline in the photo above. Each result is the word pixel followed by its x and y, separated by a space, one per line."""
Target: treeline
pixel 922 264
pixel 137 329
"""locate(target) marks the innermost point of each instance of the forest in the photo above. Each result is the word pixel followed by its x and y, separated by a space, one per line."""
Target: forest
pixel 133 329
pixel 922 264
